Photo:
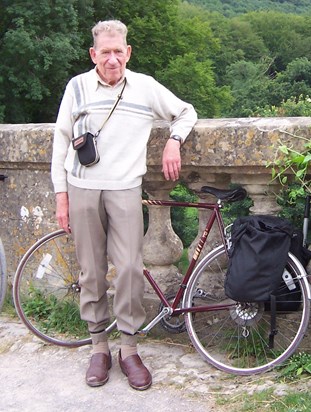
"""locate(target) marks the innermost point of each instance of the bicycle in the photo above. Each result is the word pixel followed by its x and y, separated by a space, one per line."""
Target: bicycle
pixel 230 335
pixel 3 270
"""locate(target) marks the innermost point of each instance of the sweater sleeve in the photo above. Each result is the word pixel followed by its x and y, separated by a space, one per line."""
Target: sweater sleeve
pixel 62 140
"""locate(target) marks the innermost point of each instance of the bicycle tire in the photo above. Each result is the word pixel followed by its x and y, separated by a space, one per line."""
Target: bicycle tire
pixel 3 275
pixel 235 339
pixel 46 292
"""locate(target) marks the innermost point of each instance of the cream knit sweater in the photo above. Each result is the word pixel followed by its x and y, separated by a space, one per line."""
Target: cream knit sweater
pixel 122 143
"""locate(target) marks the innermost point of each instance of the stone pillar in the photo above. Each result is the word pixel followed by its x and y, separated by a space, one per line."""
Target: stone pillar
pixel 262 191
pixel 162 247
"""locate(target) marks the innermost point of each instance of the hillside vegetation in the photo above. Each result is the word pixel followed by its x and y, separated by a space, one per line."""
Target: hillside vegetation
pixel 257 63
pixel 231 8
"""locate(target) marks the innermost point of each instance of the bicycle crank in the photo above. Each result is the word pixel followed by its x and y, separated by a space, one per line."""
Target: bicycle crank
pixel 172 323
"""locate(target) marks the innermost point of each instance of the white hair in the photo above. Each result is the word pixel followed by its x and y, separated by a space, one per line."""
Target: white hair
pixel 109 26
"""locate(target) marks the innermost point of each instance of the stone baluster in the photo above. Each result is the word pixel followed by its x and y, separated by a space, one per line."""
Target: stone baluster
pixel 262 191
pixel 162 247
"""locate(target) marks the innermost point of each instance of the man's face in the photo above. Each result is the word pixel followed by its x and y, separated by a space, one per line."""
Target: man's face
pixel 110 54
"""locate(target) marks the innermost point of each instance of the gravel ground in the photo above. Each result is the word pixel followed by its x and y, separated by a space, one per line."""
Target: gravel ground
pixel 40 378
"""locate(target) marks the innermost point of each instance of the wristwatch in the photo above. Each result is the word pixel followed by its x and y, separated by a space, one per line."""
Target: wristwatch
pixel 178 138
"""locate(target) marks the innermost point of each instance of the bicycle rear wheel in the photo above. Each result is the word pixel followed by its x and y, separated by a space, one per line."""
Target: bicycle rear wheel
pixel 3 275
pixel 233 336
pixel 46 292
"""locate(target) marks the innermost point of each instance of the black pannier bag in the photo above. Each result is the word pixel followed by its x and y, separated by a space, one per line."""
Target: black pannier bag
pixel 288 295
pixel 257 257
pixel 303 254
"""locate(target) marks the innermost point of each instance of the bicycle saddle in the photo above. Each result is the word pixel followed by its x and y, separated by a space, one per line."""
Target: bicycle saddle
pixel 228 195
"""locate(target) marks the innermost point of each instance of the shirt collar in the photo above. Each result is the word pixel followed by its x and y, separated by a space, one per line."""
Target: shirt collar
pixel 99 81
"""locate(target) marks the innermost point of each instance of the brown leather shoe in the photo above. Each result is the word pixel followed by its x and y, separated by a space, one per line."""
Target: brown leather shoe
pixel 138 375
pixel 97 373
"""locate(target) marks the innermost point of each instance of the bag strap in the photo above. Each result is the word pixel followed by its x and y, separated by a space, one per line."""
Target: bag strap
pixel 119 97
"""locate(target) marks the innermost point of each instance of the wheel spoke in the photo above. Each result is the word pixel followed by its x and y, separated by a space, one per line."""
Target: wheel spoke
pixel 236 339
pixel 47 293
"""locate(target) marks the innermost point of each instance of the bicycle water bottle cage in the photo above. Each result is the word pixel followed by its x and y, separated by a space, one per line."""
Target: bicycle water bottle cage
pixel 230 195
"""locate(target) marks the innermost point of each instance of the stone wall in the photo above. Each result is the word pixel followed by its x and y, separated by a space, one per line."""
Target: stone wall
pixel 218 152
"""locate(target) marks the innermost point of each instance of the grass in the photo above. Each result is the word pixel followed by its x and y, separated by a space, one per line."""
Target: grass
pixel 53 315
pixel 266 400
pixel 299 364
pixel 8 307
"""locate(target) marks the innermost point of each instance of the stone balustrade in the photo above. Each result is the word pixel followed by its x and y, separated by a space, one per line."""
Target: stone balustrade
pixel 218 152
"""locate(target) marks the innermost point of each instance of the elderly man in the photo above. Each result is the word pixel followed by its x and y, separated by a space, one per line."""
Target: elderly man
pixel 100 204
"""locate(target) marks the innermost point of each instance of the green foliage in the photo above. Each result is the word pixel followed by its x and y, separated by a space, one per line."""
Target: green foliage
pixel 232 211
pixel 291 164
pixel 249 86
pixel 36 52
pixel 183 262
pixel 291 107
pixel 285 36
pixel 185 221
pixel 297 71
pixel 292 200
pixel 245 350
pixel 280 70
pixel 151 29
pixel 266 400
pixel 54 315
pixel 244 41
pixel 234 7
pixel 195 81
pixel 298 364
pixel 293 85
pixel 8 305
pixel 225 66
pixel 293 161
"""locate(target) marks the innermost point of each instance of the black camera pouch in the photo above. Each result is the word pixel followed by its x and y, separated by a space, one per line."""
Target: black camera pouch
pixel 87 149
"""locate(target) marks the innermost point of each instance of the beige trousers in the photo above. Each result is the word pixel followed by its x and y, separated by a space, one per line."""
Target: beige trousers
pixel 109 223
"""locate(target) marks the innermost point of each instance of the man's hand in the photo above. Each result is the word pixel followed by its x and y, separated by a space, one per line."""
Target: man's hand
pixel 62 210
pixel 171 160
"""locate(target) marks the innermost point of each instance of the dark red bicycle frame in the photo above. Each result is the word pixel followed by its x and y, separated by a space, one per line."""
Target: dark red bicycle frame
pixel 215 216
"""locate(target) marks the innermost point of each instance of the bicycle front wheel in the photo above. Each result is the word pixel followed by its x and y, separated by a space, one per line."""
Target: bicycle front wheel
pixel 3 275
pixel 237 337
pixel 46 292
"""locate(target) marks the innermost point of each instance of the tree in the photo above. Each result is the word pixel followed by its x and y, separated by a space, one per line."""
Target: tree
pixel 36 53
pixel 231 8
pixel 194 81
pixel 285 36
pixel 294 82
pixel 249 83
pixel 43 44
pixel 238 42
pixel 207 59
pixel 190 70
pixel 151 26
